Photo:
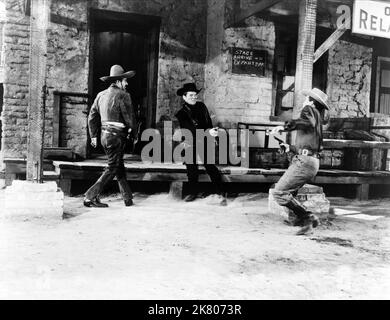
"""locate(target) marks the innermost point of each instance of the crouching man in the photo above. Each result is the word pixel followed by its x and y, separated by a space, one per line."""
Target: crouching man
pixel 305 162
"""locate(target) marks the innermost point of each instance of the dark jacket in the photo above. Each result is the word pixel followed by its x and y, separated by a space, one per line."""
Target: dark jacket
pixel 112 104
pixel 309 130
pixel 194 117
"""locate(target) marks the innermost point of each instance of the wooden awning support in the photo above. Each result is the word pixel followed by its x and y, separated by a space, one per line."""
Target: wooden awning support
pixel 328 43
pixel 39 20
pixel 259 6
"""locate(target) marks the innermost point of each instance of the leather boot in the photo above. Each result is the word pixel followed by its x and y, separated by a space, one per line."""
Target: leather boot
pixel 223 202
pixel 95 203
pixel 299 211
pixel 310 222
pixel 191 197
pixel 129 203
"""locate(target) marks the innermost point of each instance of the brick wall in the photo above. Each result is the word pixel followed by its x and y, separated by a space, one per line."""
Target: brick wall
pixel 16 70
pixel 349 80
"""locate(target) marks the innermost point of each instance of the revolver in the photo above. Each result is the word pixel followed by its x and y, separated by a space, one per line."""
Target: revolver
pixel 282 149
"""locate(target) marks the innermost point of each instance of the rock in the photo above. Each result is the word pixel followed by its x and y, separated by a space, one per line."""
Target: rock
pixel 312 197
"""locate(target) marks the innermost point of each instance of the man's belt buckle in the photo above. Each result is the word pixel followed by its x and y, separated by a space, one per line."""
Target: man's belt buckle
pixel 305 152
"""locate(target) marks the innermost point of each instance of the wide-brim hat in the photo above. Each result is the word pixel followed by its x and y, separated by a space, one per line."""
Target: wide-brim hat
pixel 117 73
pixel 188 87
pixel 318 95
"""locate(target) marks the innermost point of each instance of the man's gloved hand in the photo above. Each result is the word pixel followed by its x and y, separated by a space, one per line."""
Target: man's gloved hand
pixel 277 130
pixel 94 142
pixel 214 132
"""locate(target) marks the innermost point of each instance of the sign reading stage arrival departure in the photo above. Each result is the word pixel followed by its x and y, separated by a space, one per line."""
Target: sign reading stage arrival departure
pixel 371 18
pixel 249 61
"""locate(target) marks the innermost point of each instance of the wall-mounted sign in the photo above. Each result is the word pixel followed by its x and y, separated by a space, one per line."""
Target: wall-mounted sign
pixel 249 61
pixel 371 18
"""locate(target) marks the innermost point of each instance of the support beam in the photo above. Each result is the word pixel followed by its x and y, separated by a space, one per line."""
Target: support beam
pixel 305 50
pixel 39 20
pixel 362 192
pixel 176 190
pixel 360 144
pixel 328 43
pixel 252 10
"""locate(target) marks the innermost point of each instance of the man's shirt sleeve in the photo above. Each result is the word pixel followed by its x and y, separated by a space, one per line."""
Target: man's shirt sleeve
pixel 94 119
pixel 305 122
pixel 127 110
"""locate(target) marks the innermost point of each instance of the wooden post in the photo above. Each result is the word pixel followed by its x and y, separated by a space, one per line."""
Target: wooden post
pixel 362 191
pixel 176 190
pixel 39 20
pixel 305 51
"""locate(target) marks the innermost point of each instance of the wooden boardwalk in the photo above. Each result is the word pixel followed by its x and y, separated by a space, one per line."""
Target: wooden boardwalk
pixel 176 173
pixel 64 172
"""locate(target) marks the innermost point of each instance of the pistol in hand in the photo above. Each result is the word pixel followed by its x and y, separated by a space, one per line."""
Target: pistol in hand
pixel 284 147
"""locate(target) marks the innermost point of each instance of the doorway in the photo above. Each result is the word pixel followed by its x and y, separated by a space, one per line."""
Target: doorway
pixel 285 67
pixel 382 104
pixel 132 41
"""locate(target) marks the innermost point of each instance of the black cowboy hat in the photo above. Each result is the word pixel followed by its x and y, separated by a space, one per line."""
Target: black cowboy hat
pixel 117 73
pixel 318 95
pixel 187 88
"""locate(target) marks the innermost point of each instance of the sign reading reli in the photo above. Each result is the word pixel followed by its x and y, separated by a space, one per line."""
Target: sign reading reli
pixel 249 61
pixel 371 18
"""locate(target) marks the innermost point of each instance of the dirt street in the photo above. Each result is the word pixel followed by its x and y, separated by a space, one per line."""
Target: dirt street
pixel 166 249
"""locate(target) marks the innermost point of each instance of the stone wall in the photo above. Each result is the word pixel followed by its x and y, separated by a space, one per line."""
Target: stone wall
pixel 16 70
pixel 182 44
pixel 349 80
pixel 234 97
pixel 181 58
pixel 68 58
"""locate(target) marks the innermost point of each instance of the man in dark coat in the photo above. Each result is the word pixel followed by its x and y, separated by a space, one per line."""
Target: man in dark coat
pixel 305 162
pixel 113 111
pixel 193 116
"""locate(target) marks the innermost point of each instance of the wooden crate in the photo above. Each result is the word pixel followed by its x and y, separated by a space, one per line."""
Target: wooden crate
pixel 267 158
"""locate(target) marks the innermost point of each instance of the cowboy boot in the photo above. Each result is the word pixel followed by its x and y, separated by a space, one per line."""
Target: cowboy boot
pixel 94 203
pixel 223 202
pixel 191 197
pixel 310 222
pixel 299 211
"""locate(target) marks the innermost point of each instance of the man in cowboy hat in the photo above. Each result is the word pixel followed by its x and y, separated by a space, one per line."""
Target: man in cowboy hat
pixel 112 110
pixel 305 162
pixel 193 116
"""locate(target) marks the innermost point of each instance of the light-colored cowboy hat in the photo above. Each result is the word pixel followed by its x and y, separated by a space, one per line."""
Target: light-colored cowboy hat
pixel 188 87
pixel 117 73
pixel 318 95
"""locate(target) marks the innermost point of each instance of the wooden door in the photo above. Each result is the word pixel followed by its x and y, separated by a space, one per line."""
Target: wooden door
pixel 131 41
pixel 383 86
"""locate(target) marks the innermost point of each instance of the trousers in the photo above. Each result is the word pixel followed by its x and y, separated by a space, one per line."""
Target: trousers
pixel 212 171
pixel 301 170
pixel 113 145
